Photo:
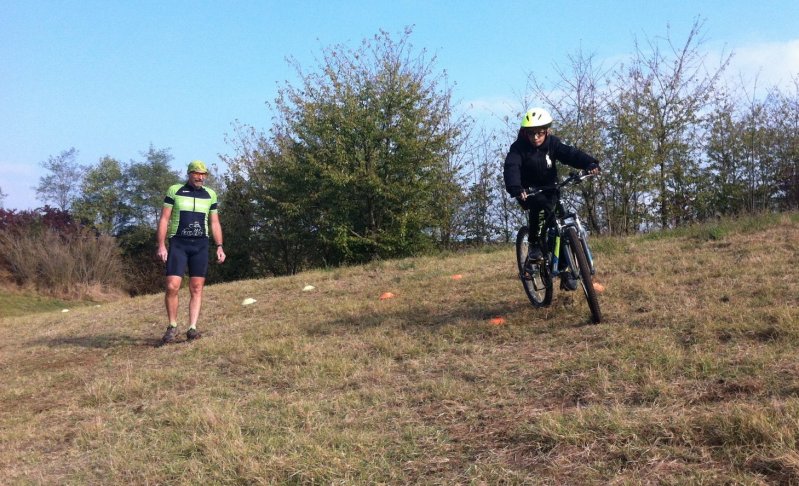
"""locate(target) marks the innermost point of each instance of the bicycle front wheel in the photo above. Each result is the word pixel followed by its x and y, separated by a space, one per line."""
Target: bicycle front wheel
pixel 580 266
pixel 535 276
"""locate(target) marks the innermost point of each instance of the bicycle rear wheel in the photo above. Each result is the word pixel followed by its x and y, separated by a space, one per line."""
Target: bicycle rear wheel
pixel 535 277
pixel 579 265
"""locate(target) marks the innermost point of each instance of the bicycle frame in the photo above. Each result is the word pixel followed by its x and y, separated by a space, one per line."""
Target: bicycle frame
pixel 561 235
pixel 560 222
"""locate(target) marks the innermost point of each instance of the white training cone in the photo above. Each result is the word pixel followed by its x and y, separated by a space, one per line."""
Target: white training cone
pixel 308 288
pixel 248 301
pixel 64 310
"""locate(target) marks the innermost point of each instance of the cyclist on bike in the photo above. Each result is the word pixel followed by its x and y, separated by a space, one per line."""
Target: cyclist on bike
pixel 531 163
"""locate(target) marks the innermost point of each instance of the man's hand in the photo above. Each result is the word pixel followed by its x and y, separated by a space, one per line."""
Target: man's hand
pixel 593 169
pixel 160 235
pixel 523 196
pixel 220 255
pixel 162 253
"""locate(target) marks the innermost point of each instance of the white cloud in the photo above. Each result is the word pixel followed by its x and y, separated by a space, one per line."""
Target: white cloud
pixel 768 63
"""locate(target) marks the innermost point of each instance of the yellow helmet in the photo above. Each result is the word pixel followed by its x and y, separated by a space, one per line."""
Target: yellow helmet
pixel 197 166
pixel 537 118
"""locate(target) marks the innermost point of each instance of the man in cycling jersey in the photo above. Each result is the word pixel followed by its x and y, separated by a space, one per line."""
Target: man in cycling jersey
pixel 188 212
pixel 531 163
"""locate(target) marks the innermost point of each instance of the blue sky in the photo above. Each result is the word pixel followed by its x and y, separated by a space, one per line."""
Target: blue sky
pixel 113 77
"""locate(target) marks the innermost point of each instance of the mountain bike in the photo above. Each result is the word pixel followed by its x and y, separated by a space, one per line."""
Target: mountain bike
pixel 562 236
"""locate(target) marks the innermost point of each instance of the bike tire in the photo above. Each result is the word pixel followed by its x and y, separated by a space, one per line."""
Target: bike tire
pixel 536 280
pixel 584 271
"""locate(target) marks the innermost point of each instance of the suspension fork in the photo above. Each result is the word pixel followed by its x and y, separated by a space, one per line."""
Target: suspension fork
pixel 556 253
pixel 581 234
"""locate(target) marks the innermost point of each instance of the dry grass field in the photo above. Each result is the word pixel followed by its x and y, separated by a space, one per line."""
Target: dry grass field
pixel 692 378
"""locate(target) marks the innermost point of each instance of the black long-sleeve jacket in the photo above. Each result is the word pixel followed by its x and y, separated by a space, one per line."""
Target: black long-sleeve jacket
pixel 530 166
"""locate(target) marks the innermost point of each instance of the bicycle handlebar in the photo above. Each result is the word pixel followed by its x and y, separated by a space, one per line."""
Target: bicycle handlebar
pixel 574 178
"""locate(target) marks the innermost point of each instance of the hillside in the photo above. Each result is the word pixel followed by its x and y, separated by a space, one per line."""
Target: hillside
pixel 692 378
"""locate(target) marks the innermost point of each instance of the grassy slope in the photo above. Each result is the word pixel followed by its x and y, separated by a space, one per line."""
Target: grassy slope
pixel 16 303
pixel 692 378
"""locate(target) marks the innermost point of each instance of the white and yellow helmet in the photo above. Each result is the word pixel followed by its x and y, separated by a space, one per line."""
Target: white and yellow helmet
pixel 537 118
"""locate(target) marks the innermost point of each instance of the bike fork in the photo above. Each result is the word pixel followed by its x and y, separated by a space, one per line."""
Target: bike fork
pixel 555 254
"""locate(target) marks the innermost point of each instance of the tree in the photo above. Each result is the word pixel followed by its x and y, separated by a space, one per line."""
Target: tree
pixel 679 90
pixel 149 181
pixel 103 200
pixel 758 158
pixel 2 197
pixel 238 214
pixel 357 158
pixel 629 172
pixel 61 186
pixel 142 196
pixel 479 226
pixel 264 229
pixel 725 189
pixel 784 120
pixel 483 218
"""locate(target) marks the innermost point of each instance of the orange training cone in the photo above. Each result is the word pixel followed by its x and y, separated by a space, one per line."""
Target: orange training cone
pixel 457 277
pixel 497 321
pixel 386 295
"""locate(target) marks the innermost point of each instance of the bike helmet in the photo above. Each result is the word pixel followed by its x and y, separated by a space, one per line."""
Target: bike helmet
pixel 537 118
pixel 197 166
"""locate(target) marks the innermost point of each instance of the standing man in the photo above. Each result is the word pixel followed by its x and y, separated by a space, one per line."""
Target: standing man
pixel 188 212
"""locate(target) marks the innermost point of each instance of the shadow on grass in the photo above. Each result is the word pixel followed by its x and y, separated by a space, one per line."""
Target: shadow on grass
pixel 96 341
pixel 423 317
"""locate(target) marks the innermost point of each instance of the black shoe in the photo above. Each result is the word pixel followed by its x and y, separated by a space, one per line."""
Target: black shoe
pixel 534 258
pixel 534 253
pixel 169 335
pixel 567 281
pixel 193 334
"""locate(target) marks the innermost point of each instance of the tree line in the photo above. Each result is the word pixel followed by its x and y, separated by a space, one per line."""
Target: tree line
pixel 367 157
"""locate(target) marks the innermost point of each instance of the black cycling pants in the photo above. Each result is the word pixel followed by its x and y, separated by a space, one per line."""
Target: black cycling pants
pixel 191 252
pixel 541 208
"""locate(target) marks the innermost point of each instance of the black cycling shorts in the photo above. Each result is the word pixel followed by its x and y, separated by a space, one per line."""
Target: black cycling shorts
pixel 191 252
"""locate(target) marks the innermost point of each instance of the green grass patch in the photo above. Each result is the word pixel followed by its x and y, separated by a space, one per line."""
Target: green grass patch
pixel 18 304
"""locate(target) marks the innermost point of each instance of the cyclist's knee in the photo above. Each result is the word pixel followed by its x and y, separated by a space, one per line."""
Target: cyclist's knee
pixel 196 285
pixel 172 284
